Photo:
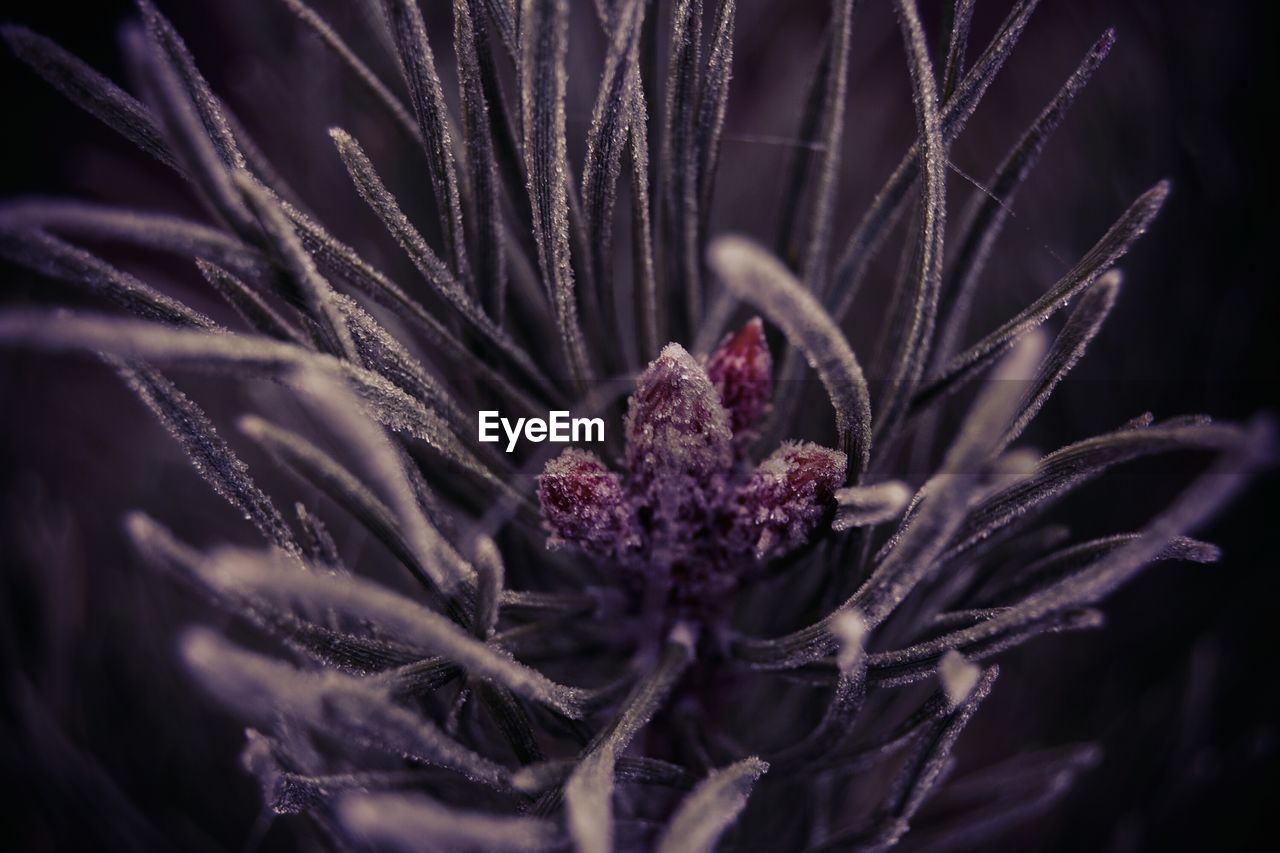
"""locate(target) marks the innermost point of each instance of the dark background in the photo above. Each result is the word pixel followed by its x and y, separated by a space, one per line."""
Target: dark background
pixel 102 741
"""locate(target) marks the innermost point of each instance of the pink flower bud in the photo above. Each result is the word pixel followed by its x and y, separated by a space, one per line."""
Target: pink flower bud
pixel 787 496
pixel 583 504
pixel 742 371
pixel 677 430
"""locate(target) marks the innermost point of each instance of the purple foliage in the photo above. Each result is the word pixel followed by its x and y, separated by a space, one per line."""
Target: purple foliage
pixel 715 646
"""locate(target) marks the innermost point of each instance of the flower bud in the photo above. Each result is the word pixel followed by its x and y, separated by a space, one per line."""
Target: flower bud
pixel 582 504
pixel 741 369
pixel 677 430
pixel 787 496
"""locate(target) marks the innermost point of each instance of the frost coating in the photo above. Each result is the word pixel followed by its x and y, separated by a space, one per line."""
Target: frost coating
pixel 690 516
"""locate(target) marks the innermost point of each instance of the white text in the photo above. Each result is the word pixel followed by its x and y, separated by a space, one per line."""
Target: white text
pixel 558 428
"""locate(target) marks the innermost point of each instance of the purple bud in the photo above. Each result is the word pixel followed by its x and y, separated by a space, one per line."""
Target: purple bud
pixel 677 429
pixel 742 371
pixel 582 504
pixel 787 496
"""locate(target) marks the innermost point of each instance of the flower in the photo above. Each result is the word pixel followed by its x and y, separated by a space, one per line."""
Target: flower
pixel 691 516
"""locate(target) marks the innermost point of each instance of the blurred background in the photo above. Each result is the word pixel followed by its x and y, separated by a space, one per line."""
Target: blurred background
pixel 103 744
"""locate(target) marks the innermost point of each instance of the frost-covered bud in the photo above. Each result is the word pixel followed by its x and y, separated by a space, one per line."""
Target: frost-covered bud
pixel 742 371
pixel 583 504
pixel 787 496
pixel 677 430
